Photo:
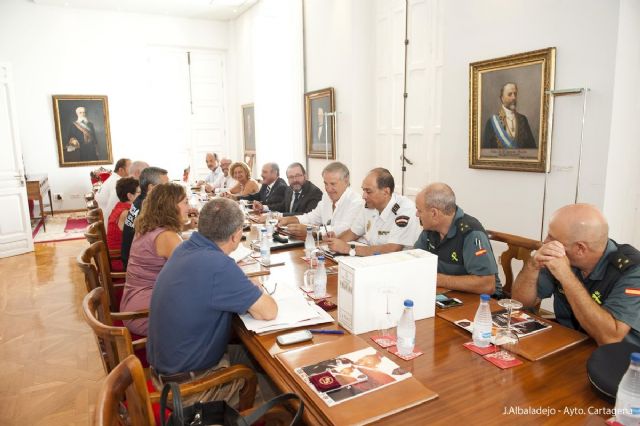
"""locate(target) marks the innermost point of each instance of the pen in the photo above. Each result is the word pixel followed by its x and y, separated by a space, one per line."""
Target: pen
pixel 319 331
pixel 271 265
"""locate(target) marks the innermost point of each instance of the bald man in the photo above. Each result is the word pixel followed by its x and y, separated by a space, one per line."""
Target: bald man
pixel 595 282
pixel 465 257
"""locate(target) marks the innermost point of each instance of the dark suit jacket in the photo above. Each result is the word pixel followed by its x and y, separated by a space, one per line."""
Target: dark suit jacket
pixel 275 196
pixel 310 196
pixel 524 138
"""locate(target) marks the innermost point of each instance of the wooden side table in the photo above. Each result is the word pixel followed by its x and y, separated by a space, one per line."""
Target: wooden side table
pixel 37 186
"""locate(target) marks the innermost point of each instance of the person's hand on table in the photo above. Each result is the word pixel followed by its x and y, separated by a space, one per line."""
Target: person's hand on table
pixel 208 188
pixel 259 218
pixel 257 207
pixel 298 230
pixel 336 244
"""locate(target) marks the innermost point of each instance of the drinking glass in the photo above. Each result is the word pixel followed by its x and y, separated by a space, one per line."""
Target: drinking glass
pixel 506 337
pixel 385 319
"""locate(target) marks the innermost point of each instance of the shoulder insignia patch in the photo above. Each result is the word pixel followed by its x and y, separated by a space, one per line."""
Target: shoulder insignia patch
pixel 402 221
pixel 632 291
pixel 395 208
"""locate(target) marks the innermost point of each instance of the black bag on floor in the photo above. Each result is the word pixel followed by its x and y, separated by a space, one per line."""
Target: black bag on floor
pixel 606 366
pixel 217 412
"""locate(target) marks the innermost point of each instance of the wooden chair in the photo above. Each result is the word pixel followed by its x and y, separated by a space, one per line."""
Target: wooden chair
pixel 115 344
pixel 519 248
pixel 127 382
pixel 92 205
pixel 94 261
pixel 97 232
pixel 95 215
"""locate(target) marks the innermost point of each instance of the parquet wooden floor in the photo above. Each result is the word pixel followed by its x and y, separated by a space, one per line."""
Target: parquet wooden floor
pixel 50 370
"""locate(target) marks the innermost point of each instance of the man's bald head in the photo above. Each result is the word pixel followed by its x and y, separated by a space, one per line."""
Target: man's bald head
pixel 440 196
pixel 580 223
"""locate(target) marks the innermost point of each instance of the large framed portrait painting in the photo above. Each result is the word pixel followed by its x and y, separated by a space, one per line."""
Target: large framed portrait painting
pixel 320 124
pixel 509 111
pixel 82 130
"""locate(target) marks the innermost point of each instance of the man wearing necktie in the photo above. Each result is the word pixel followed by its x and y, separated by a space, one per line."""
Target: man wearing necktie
pixel 272 189
pixel 301 196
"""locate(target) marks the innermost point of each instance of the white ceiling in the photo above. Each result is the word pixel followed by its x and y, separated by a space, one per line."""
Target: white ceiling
pixel 196 9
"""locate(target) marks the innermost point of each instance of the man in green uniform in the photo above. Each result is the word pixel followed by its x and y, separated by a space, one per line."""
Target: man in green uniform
pixel 465 257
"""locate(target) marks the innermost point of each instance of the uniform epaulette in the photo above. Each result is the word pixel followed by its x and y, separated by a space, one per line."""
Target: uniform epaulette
pixel 464 227
pixel 395 208
pixel 624 258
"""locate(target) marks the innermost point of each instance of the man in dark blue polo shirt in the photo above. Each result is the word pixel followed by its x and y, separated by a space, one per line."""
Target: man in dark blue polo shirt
pixel 193 302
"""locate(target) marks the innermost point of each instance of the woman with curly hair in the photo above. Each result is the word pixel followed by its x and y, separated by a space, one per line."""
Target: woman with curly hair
pixel 246 185
pixel 158 228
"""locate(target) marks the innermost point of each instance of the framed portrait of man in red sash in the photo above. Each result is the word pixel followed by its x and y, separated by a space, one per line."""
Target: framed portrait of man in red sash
pixel 82 130
pixel 509 111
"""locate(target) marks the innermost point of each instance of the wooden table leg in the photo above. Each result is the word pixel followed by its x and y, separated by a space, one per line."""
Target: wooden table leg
pixel 50 203
pixel 41 204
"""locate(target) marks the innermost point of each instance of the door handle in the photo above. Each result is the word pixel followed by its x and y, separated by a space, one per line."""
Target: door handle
pixel 406 160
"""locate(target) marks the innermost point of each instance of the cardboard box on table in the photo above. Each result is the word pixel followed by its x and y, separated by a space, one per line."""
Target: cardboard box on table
pixel 366 285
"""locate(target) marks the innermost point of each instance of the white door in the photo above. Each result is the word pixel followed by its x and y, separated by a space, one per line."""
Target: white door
pixel 208 130
pixel 421 118
pixel 15 226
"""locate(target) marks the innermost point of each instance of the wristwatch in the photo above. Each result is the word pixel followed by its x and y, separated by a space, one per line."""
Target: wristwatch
pixel 352 250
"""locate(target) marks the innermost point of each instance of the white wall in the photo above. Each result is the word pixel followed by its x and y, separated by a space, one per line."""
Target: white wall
pixel 71 51
pixel 584 33
pixel 339 53
pixel 266 69
pixel 622 196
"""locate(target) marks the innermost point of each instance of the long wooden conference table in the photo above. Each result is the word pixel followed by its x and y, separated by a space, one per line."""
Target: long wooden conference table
pixel 551 390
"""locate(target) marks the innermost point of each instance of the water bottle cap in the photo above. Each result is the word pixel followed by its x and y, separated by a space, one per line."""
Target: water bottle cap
pixel 309 228
pixel 635 357
pixel 485 297
pixel 321 258
pixel 263 230
pixel 408 303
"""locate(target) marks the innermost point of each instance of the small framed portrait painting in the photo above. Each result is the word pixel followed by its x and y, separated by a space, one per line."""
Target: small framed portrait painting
pixel 320 123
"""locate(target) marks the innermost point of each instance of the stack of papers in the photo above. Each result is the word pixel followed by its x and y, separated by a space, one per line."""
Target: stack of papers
pixel 240 253
pixel 294 310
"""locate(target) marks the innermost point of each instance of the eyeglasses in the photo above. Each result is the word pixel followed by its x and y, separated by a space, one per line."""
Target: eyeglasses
pixel 270 293
pixel 295 176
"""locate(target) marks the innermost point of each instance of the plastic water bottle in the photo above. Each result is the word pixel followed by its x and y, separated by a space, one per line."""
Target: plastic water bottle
pixel 482 323
pixel 309 243
pixel 406 330
pixel 628 397
pixel 265 247
pixel 320 279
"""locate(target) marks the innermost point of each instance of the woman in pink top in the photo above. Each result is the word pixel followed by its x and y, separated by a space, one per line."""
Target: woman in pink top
pixel 158 228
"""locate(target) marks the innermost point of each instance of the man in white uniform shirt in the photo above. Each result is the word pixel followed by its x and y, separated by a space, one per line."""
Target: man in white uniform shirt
pixel 386 223
pixel 336 211
pixel 121 169
pixel 214 177
pixel 111 196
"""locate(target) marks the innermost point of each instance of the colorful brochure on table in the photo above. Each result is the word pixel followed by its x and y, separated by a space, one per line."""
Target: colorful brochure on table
pixel 348 376
pixel 522 324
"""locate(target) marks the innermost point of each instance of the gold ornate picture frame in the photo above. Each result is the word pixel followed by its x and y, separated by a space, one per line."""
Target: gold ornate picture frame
pixel 320 127
pixel 82 130
pixel 509 108
pixel 249 129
